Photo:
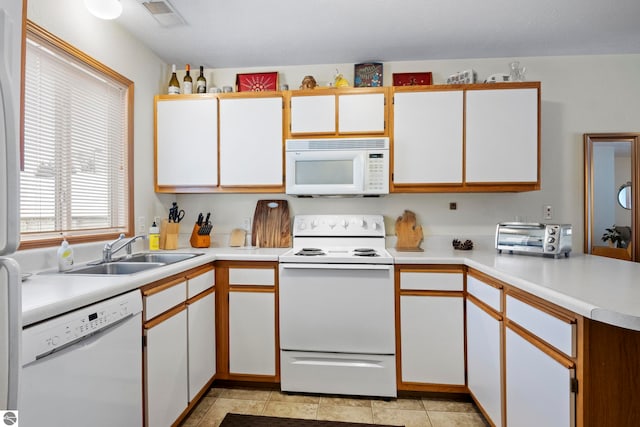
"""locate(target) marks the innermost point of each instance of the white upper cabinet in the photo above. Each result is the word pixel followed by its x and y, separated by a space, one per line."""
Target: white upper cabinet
pixel 361 113
pixel 427 137
pixel 186 142
pixel 251 144
pixel 313 114
pixel 335 112
pixel 502 135
pixel 466 138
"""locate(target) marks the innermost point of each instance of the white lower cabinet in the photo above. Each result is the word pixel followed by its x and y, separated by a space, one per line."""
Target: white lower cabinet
pixel 179 337
pixel 201 342
pixel 166 370
pixel 432 333
pixel 538 387
pixel 252 343
pixel 484 347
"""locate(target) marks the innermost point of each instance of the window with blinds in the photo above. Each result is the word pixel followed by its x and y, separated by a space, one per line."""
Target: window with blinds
pixel 76 176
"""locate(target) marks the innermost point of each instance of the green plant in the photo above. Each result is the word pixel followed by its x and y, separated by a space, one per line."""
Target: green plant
pixel 612 235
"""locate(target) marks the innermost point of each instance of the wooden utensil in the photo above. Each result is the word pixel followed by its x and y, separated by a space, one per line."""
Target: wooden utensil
pixel 271 224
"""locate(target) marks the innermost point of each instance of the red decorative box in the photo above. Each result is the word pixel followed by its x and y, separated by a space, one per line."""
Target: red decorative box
pixel 412 79
pixel 257 82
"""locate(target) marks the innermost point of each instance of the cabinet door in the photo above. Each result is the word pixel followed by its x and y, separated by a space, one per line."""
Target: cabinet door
pixel 202 343
pixel 361 113
pixel 186 142
pixel 427 137
pixel 483 361
pixel 432 334
pixel 252 346
pixel 251 141
pixel 313 114
pixel 166 370
pixel 502 135
pixel 537 386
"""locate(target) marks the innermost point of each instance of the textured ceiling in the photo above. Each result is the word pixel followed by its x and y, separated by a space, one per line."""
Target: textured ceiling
pixel 254 33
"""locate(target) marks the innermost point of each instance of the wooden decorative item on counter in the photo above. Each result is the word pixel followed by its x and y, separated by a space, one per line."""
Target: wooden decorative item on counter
pixel 409 235
pixel 169 234
pixel 271 224
pixel 237 237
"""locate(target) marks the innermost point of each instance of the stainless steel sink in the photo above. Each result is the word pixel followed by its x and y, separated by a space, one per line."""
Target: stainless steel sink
pixel 162 257
pixel 116 268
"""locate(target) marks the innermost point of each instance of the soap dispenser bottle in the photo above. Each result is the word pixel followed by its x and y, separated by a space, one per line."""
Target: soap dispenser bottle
pixel 65 256
pixel 154 237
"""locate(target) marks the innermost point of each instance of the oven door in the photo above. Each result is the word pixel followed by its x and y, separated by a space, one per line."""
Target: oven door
pixel 347 308
pixel 326 172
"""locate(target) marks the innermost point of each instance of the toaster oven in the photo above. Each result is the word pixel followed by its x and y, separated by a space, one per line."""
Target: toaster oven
pixel 534 238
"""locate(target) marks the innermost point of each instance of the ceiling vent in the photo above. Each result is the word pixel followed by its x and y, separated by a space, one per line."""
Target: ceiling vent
pixel 163 12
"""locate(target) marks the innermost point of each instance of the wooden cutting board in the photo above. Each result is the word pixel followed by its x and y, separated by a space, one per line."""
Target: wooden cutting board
pixel 409 233
pixel 271 224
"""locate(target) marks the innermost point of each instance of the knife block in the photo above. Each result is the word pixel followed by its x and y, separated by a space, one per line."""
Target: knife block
pixel 197 240
pixel 169 234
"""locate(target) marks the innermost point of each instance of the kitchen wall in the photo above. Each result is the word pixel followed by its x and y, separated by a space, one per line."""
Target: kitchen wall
pixel 108 43
pixel 580 94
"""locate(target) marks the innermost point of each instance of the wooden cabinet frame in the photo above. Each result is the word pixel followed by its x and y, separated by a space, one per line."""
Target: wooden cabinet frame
pixel 222 317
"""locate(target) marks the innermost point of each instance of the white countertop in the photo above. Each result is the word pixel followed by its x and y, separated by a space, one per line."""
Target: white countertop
pixel 599 288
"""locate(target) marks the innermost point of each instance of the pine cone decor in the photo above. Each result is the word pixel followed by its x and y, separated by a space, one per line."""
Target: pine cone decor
pixel 467 245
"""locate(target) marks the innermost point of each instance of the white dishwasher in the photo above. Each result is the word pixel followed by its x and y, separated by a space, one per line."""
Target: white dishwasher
pixel 84 367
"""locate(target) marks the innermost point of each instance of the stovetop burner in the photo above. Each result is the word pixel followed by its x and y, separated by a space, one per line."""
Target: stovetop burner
pixel 310 252
pixel 365 252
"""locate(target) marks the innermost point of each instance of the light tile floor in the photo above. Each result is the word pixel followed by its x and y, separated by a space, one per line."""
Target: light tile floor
pixel 410 412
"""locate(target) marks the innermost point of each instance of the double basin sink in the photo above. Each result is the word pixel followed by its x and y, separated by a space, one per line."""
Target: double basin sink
pixel 133 264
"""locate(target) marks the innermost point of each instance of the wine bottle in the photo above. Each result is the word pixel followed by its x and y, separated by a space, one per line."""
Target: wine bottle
pixel 187 82
pixel 201 82
pixel 174 84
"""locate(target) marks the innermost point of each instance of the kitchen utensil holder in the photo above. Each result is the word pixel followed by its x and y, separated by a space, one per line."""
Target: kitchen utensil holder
pixel 169 234
pixel 199 240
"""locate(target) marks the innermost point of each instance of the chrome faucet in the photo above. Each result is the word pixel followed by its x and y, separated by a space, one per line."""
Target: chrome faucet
pixel 109 249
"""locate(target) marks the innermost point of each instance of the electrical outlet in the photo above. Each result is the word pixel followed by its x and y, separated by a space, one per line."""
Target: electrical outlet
pixel 246 223
pixel 453 206
pixel 548 212
pixel 142 224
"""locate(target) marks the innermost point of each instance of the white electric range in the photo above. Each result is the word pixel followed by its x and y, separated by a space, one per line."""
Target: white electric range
pixel 337 309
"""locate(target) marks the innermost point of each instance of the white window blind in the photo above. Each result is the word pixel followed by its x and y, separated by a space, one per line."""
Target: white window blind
pixel 75 176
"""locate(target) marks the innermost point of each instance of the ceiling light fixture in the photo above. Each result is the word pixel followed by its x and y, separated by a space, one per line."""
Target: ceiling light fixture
pixel 104 9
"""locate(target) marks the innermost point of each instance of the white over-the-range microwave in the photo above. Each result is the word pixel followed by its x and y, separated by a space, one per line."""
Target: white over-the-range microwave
pixel 337 166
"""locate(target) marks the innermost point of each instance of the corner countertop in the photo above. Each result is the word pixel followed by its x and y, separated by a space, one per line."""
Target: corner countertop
pixel 598 288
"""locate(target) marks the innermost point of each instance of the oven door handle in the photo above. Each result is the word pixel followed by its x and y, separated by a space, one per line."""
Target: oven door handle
pixel 336 266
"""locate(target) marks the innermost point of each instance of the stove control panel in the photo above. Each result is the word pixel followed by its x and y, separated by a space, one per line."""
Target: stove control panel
pixel 338 225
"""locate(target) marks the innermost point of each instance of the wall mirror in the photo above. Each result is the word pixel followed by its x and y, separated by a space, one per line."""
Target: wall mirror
pixel 624 195
pixel 611 174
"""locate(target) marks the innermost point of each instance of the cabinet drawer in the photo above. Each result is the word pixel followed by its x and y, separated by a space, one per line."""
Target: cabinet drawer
pixel 485 293
pixel 162 301
pixel 200 283
pixel 252 276
pixel 545 326
pixel 431 281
